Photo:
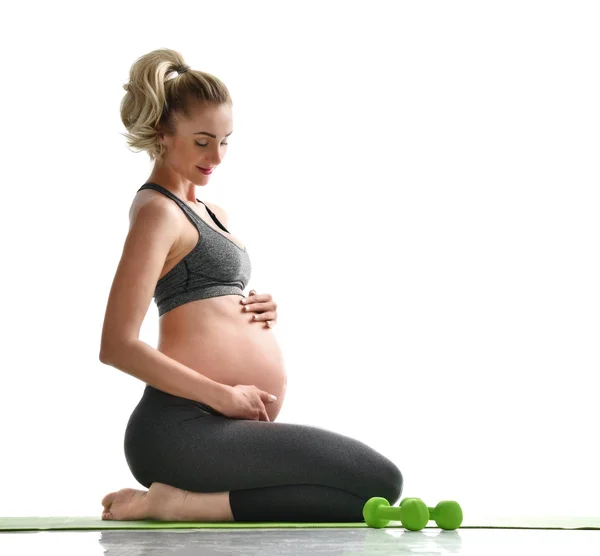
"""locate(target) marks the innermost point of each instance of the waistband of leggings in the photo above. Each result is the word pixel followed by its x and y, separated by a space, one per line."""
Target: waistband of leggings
pixel 170 398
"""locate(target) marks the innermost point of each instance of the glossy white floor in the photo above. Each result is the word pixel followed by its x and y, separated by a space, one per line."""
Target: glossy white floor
pixel 305 542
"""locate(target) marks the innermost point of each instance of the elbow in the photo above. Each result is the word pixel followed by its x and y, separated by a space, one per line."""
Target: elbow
pixel 104 356
pixel 110 352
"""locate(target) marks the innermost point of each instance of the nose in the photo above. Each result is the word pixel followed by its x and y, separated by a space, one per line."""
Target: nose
pixel 216 157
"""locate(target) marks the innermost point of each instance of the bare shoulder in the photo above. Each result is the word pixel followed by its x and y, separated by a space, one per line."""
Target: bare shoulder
pixel 149 196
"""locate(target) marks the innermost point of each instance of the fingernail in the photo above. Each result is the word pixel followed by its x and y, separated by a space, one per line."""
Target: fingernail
pixel 273 397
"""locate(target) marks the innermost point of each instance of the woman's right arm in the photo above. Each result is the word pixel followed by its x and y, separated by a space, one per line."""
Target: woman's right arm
pixel 153 367
pixel 154 229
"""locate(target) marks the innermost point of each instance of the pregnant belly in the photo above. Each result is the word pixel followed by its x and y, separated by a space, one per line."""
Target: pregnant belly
pixel 227 348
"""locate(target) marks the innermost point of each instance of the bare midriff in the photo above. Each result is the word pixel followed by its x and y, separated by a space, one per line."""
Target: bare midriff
pixel 216 338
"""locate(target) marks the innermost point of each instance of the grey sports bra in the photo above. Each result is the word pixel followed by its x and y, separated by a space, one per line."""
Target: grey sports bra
pixel 216 266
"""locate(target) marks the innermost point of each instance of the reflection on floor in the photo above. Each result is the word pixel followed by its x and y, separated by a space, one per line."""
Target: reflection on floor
pixel 305 542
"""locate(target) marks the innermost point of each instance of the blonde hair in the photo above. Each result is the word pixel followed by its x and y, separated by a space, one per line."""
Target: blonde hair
pixel 151 100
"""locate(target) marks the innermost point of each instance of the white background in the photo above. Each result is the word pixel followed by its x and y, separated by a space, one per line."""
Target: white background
pixel 417 186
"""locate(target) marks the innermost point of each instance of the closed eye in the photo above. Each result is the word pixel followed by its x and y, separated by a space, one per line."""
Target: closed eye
pixel 201 145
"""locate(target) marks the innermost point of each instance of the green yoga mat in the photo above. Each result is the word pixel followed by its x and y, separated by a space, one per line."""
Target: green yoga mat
pixel 95 523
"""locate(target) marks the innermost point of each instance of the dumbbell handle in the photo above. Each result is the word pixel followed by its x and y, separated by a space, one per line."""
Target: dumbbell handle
pixel 455 517
pixel 431 512
pixel 391 512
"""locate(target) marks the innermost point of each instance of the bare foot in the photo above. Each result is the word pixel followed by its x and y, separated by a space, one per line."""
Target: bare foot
pixel 165 502
pixel 161 502
pixel 126 504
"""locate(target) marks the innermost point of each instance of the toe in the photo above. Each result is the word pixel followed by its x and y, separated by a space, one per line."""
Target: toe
pixel 108 499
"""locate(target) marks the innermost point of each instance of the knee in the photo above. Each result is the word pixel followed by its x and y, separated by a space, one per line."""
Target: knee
pixel 394 484
pixel 382 479
pixel 386 482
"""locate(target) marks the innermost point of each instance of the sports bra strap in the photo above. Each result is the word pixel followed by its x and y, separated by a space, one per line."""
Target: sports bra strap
pixel 184 206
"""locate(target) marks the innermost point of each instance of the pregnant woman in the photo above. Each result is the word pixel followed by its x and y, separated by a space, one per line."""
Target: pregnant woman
pixel 203 438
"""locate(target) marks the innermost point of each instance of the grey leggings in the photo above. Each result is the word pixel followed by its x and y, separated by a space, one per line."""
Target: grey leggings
pixel 273 471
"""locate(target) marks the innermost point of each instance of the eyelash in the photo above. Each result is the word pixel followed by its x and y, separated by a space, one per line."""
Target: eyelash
pixel 200 145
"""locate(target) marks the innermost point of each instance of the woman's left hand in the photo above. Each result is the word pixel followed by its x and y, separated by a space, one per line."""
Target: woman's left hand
pixel 262 304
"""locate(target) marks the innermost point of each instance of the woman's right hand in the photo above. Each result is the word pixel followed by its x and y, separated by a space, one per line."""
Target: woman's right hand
pixel 247 402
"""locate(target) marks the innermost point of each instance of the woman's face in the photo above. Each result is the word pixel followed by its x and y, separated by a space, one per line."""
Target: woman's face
pixel 200 141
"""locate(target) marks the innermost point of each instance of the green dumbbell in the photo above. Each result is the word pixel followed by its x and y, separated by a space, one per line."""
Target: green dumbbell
pixel 413 514
pixel 447 514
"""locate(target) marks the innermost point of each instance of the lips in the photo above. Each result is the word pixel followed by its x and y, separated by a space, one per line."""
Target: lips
pixel 204 170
